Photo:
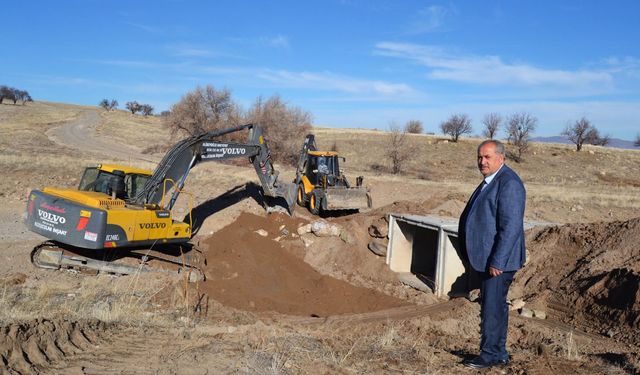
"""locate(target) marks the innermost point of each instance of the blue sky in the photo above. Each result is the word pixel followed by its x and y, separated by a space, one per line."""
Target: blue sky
pixel 350 63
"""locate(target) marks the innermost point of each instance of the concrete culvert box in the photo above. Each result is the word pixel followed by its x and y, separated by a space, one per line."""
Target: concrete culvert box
pixel 427 246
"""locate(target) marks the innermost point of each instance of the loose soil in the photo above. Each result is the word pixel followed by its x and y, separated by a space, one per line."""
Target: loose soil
pixel 249 271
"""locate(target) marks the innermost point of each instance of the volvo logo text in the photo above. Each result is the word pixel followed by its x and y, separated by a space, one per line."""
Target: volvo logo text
pixel 152 225
pixel 52 218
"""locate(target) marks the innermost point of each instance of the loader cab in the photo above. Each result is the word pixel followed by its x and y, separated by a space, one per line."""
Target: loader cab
pixel 121 181
pixel 321 164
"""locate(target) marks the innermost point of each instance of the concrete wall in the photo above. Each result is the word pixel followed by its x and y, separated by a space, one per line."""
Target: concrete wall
pixel 427 246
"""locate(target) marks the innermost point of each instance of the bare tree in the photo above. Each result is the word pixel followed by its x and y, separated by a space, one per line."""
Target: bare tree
pixel 491 124
pixel 7 92
pixel 14 95
pixel 285 126
pixel 603 141
pixel 4 90
pixel 146 109
pixel 133 107
pixel 104 103
pixel 398 148
pixel 202 110
pixel 113 104
pixel 583 131
pixel 23 96
pixel 414 127
pixel 456 126
pixel 519 130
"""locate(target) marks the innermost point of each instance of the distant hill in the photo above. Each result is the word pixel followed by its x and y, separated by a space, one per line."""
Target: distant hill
pixel 614 142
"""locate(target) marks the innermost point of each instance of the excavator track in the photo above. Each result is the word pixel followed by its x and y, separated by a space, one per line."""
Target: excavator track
pixel 54 256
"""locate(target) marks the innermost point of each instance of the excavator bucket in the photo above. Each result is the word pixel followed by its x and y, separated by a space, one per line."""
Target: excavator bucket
pixel 285 198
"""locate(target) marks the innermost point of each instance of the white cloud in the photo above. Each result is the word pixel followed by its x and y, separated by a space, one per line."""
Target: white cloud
pixel 359 89
pixel 329 81
pixel 51 80
pixel 186 50
pixel 279 41
pixel 126 63
pixel 428 20
pixel 147 28
pixel 492 70
pixel 629 66
pixel 192 52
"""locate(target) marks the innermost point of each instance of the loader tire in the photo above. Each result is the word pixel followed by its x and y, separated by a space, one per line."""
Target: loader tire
pixel 301 197
pixel 315 202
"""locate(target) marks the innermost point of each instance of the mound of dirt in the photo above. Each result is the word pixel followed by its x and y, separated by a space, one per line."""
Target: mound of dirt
pixel 28 347
pixel 252 265
pixel 375 222
pixel 349 257
pixel 589 272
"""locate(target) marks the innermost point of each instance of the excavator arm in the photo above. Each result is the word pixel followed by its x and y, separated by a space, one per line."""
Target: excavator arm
pixel 308 145
pixel 171 173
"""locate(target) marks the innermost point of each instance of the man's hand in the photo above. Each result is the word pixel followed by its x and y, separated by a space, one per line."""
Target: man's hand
pixel 494 271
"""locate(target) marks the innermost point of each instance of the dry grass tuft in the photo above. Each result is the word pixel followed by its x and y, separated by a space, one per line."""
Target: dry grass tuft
pixel 103 297
pixel 572 348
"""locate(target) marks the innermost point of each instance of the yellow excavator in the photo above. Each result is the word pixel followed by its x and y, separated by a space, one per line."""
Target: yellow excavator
pixel 123 207
pixel 321 185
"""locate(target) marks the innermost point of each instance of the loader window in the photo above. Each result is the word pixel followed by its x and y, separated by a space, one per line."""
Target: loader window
pixel 323 166
pixel 312 168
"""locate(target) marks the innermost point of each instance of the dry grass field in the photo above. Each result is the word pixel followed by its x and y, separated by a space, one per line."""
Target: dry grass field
pixel 584 270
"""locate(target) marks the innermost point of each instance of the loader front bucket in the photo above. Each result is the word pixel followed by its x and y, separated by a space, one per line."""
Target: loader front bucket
pixel 356 198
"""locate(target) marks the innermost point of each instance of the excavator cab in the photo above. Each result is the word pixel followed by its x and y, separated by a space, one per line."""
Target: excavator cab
pixel 121 181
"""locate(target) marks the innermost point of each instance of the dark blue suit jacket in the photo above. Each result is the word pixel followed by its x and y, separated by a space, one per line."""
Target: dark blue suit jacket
pixel 491 230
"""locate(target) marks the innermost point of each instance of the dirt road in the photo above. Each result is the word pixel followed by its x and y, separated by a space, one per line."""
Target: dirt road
pixel 80 134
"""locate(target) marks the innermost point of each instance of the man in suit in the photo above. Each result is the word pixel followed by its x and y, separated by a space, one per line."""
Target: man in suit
pixel 491 236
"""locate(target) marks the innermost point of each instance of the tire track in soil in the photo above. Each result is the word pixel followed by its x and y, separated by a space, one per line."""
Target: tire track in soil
pixel 31 347
pixel 126 351
pixel 159 351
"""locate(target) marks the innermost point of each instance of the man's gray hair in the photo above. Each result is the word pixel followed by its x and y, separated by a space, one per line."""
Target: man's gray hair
pixel 499 145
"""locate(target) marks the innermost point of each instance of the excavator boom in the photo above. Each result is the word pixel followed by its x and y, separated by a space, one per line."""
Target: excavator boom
pixel 186 154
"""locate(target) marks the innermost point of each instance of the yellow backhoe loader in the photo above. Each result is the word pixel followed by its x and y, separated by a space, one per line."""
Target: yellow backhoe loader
pixel 321 186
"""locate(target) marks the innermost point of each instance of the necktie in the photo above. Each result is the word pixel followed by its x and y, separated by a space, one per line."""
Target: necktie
pixel 476 193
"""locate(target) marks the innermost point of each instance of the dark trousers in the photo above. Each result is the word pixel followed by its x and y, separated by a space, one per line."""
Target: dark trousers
pixel 494 316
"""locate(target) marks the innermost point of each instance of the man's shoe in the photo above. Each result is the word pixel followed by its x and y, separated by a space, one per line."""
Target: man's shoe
pixel 504 362
pixel 479 363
